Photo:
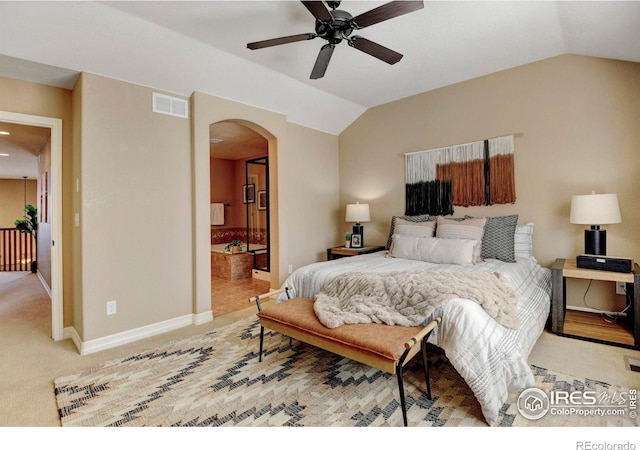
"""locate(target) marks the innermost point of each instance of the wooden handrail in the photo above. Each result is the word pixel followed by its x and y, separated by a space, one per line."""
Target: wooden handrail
pixel 17 250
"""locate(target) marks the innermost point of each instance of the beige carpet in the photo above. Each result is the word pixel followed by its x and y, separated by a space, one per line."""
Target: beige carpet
pixel 215 379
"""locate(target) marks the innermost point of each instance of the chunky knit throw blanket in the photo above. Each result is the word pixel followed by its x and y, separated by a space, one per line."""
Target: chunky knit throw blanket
pixel 410 298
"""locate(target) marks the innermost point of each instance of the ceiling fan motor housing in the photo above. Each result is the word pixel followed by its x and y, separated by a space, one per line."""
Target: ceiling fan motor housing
pixel 337 29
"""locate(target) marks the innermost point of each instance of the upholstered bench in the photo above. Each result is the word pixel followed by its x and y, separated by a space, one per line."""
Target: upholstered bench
pixel 383 347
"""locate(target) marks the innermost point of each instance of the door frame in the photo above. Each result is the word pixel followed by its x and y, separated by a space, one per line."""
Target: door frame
pixel 55 125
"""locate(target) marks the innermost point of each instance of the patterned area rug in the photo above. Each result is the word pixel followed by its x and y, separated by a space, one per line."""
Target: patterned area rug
pixel 215 379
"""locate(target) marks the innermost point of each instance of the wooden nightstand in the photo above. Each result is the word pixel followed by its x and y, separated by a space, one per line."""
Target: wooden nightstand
pixel 343 252
pixel 624 332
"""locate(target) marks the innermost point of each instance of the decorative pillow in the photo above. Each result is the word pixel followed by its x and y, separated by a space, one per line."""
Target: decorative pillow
pixel 413 219
pixel 498 238
pixel 434 250
pixel 417 229
pixel 523 241
pixel 463 229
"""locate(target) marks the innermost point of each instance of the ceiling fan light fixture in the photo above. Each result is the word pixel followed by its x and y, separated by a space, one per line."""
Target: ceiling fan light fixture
pixel 337 25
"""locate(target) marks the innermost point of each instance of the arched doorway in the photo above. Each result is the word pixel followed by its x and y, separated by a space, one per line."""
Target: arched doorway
pixel 240 187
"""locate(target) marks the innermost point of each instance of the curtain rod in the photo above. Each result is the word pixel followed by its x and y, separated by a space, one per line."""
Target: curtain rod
pixel 456 145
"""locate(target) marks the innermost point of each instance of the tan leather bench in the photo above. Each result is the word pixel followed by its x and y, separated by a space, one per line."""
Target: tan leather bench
pixel 383 347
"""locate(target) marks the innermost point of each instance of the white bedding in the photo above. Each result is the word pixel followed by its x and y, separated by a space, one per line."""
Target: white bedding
pixel 492 359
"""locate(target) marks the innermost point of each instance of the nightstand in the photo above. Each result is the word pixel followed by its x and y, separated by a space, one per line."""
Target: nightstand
pixel 343 252
pixel 625 332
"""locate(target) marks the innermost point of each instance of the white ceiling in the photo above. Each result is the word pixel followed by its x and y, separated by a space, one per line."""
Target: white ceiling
pixel 443 43
pixel 19 150
pixel 182 47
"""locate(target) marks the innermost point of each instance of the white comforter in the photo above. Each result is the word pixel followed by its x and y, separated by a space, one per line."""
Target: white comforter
pixel 492 359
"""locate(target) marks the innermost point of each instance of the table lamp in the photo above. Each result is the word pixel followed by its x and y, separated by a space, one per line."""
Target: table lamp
pixel 357 213
pixel 595 210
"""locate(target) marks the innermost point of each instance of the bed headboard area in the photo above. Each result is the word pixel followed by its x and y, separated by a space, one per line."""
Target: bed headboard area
pixel 469 239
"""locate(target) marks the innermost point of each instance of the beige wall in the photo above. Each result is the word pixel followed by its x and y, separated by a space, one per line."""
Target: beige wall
pixel 311 194
pixel 579 119
pixel 141 185
pixel 75 242
pixel 12 200
pixel 135 215
pixel 44 213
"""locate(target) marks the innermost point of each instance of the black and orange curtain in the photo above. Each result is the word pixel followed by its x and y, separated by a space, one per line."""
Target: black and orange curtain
pixel 474 174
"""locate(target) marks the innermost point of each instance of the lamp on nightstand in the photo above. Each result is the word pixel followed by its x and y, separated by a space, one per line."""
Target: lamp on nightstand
pixel 357 213
pixel 595 210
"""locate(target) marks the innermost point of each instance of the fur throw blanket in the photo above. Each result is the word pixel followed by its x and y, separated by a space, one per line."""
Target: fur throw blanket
pixel 410 298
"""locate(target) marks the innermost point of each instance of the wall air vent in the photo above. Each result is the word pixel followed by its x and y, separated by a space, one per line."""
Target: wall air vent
pixel 173 106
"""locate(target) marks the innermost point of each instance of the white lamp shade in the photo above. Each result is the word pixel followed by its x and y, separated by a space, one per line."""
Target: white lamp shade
pixel 595 209
pixel 358 213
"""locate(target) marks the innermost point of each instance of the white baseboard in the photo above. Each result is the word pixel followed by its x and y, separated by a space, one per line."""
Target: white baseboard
pixel 126 337
pixel 45 285
pixel 199 319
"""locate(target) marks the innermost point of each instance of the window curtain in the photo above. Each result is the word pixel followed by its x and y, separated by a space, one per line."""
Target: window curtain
pixel 474 174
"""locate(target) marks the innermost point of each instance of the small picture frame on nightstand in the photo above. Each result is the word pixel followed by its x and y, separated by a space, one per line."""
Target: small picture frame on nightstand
pixel 356 240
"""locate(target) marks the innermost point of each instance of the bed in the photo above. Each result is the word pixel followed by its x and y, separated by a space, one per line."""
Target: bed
pixel 490 357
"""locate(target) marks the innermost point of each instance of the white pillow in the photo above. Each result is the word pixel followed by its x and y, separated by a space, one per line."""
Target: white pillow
pixel 472 228
pixel 434 250
pixel 523 241
pixel 416 229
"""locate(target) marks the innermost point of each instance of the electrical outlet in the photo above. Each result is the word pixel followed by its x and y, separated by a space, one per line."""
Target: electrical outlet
pixel 621 288
pixel 111 308
pixel 290 268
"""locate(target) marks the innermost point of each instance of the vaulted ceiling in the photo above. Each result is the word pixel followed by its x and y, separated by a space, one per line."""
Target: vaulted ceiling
pixel 183 47
pixel 186 46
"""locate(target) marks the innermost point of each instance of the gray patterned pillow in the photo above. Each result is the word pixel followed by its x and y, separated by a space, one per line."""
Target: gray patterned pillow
pixel 498 239
pixel 421 218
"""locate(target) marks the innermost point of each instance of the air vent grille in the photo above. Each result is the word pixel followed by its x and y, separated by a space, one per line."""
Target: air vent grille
pixel 172 106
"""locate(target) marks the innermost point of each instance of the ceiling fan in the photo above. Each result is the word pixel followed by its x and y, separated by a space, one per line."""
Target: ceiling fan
pixel 336 26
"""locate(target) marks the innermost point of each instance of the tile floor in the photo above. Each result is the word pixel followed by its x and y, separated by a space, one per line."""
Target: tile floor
pixel 231 296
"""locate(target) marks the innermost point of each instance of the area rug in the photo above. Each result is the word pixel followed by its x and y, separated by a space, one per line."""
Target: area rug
pixel 215 379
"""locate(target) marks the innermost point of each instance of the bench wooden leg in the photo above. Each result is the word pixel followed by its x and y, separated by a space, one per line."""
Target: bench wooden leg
pixel 400 372
pixel 261 342
pixel 425 365
pixel 403 403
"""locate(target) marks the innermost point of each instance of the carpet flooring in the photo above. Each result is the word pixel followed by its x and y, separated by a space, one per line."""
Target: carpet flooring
pixel 215 379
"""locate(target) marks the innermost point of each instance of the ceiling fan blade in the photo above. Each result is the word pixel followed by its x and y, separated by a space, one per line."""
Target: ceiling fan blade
pixel 376 50
pixel 318 10
pixel 320 67
pixel 386 12
pixel 281 40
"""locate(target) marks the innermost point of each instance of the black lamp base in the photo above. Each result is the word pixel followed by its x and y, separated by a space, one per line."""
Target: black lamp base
pixel 595 241
pixel 358 230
